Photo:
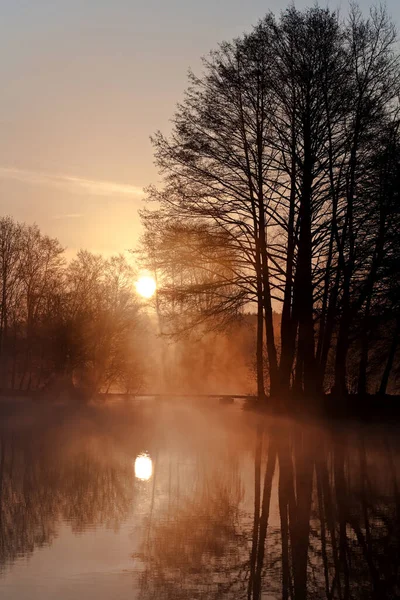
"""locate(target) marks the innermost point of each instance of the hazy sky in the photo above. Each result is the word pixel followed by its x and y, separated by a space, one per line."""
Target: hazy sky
pixel 83 85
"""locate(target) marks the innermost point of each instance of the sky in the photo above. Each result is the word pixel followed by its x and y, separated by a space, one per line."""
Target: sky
pixel 84 83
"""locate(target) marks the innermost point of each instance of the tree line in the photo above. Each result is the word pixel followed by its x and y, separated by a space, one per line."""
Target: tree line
pixel 65 323
pixel 281 188
pixel 78 328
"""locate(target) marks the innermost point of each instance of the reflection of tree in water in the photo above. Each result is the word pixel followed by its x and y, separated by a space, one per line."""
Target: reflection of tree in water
pixel 27 504
pixel 339 534
pixel 194 547
pixel 42 484
pixel 317 516
pixel 96 490
pixel 334 533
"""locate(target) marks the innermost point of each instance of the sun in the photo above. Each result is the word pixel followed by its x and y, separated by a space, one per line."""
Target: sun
pixel 146 286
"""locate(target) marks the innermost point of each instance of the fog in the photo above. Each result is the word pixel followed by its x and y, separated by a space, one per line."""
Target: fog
pixel 233 506
pixel 212 412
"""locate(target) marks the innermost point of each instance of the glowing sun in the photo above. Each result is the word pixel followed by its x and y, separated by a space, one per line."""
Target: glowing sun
pixel 143 467
pixel 146 286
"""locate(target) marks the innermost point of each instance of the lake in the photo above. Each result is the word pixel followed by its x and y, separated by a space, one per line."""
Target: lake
pixel 183 500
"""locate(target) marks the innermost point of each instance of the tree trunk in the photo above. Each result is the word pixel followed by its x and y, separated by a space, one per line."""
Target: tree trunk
pixel 362 375
pixel 329 328
pixel 268 313
pixel 288 324
pixel 303 280
pixel 299 371
pixel 306 330
pixel 342 347
pixel 390 360
pixel 260 349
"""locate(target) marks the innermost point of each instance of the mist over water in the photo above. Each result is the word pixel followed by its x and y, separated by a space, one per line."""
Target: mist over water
pixel 181 406
pixel 176 500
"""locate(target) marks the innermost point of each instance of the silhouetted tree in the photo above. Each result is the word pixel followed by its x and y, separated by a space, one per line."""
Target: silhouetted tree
pixel 286 145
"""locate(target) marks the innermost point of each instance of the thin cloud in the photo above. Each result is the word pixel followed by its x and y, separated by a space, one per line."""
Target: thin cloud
pixel 68 216
pixel 75 185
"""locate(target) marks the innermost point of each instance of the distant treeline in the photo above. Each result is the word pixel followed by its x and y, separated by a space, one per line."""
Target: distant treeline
pixel 79 327
pixel 61 320
pixel 281 187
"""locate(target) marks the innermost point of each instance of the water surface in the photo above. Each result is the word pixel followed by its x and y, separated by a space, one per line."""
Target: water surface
pixel 174 500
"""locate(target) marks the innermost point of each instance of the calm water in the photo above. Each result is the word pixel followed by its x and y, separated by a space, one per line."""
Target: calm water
pixel 170 501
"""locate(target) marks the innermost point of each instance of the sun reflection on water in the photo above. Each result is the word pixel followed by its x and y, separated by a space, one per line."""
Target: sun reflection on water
pixel 143 467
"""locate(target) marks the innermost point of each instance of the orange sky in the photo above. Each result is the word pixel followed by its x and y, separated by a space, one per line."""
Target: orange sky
pixel 84 84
